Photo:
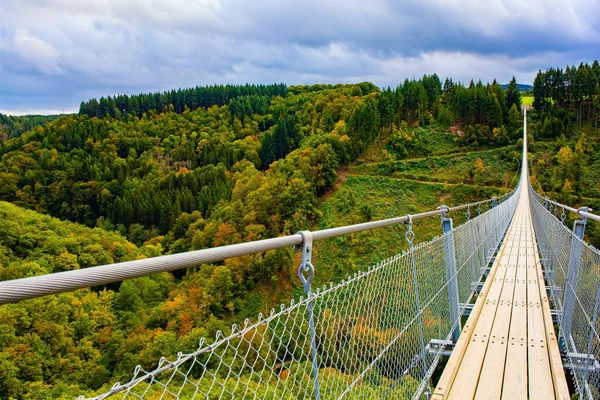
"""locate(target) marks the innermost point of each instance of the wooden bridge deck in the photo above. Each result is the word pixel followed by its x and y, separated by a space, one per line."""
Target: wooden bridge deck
pixel 508 348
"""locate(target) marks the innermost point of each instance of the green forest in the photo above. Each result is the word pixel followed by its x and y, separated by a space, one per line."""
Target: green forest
pixel 139 176
pixel 12 126
pixel 566 149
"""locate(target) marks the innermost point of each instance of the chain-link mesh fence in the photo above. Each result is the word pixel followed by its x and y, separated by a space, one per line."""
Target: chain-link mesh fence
pixel 366 337
pixel 572 272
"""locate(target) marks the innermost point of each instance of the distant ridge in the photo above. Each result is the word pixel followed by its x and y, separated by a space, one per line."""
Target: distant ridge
pixel 522 87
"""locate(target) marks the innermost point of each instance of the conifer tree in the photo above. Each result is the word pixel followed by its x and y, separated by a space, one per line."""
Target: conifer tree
pixel 513 95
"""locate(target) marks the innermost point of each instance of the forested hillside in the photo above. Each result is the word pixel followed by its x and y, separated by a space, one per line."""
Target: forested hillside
pixel 12 126
pixel 189 169
pixel 49 344
pixel 566 159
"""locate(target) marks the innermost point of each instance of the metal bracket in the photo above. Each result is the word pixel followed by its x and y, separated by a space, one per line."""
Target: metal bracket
pixel 553 289
pixel 579 226
pixel 306 265
pixel 409 235
pixel 446 222
pixel 442 347
pixel 556 315
pixel 465 309
pixel 581 362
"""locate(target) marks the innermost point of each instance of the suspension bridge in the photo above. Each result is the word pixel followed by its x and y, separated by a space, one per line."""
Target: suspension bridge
pixel 508 348
pixel 503 306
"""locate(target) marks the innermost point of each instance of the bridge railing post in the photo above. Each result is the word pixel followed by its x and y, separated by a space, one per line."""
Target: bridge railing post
pixel 481 254
pixel 572 279
pixel 451 275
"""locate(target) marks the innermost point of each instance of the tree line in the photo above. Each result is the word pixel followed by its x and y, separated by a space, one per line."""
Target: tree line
pixel 574 89
pixel 192 98
pixel 12 126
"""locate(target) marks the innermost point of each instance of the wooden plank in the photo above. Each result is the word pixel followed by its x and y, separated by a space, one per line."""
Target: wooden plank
pixel 518 326
pixel 465 384
pixel 492 372
pixel 452 367
pixel 541 385
pixel 477 358
pixel 514 385
pixel 515 371
pixel 518 323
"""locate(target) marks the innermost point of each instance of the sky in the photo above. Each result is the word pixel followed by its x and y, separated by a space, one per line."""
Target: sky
pixel 56 53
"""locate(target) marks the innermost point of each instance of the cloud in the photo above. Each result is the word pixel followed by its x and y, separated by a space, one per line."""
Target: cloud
pixel 55 53
pixel 35 51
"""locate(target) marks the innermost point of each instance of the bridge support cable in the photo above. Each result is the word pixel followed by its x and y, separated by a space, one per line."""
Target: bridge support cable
pixel 27 288
pixel 307 267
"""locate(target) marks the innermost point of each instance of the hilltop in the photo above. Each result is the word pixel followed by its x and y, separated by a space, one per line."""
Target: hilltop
pixel 522 87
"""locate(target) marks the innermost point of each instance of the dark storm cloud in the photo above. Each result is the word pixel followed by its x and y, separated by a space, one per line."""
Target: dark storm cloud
pixel 55 53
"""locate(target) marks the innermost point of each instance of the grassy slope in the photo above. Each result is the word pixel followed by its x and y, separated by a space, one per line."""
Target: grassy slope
pixel 372 188
pixel 386 198
pixel 452 168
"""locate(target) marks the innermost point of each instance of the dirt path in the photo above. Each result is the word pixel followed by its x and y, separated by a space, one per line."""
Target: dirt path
pixel 342 173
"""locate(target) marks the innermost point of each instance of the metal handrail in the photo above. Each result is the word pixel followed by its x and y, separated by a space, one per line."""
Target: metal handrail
pixel 37 286
pixel 582 211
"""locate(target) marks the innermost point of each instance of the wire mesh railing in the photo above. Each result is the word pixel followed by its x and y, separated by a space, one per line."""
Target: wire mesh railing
pixel 572 269
pixel 368 336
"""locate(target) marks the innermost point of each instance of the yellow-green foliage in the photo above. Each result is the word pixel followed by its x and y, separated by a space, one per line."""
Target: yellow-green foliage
pixel 36 244
pixel 527 100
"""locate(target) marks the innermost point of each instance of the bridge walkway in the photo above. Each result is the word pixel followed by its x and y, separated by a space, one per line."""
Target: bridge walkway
pixel 508 348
